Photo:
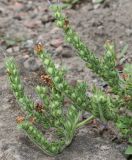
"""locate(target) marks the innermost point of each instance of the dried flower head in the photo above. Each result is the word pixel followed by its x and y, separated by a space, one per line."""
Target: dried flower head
pixel 39 47
pixel 66 24
pixel 39 108
pixel 127 98
pixel 124 76
pixel 32 119
pixel 46 79
pixel 120 67
pixel 8 72
pixel 19 119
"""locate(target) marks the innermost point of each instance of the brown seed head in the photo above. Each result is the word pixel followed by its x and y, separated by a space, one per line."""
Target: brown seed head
pixel 124 76
pixel 46 79
pixel 127 98
pixel 19 119
pixel 32 119
pixel 8 72
pixel 39 47
pixel 39 108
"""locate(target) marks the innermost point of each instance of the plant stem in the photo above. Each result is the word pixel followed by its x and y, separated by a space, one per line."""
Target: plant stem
pixel 85 121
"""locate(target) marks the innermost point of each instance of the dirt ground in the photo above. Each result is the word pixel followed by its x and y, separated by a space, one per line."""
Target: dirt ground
pixel 22 23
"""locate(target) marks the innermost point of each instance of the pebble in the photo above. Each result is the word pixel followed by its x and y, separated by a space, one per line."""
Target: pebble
pixel 96 4
pixel 45 18
pixel 129 32
pixel 32 24
pixel 86 115
pixel 9 50
pixel 1 10
pixel 29 43
pixel 32 64
pixel 67 53
pixel 59 50
pixel 5 106
pixel 16 49
pixel 2 71
pixel 54 30
pixel 56 42
pixel 105 147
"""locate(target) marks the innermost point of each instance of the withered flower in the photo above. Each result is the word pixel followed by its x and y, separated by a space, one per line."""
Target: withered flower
pixel 124 76
pixel 39 108
pixel 39 47
pixel 19 119
pixel 32 119
pixel 8 72
pixel 46 79
pixel 66 24
pixel 127 98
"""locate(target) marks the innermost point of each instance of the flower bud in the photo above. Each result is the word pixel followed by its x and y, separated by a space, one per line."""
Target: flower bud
pixel 38 137
pixel 79 101
pixel 57 79
pixel 60 23
pixel 56 103
pixel 46 61
pixel 50 70
pixel 82 53
pixel 34 132
pixel 20 87
pixel 73 96
pixel 60 86
pixel 30 129
pixel 68 39
pixel 57 15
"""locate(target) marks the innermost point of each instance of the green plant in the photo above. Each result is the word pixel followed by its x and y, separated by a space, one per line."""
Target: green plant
pixel 128 151
pixel 99 1
pixel 69 3
pixel 50 114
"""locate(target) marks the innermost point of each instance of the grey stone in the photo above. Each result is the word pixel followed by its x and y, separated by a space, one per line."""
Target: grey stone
pixel 29 43
pixel 32 64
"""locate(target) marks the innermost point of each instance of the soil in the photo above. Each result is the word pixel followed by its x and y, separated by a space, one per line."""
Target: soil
pixel 22 24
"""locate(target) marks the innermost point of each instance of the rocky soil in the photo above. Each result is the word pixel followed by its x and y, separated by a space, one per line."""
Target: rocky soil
pixel 22 24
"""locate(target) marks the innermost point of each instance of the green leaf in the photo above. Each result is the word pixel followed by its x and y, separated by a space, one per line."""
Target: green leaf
pixel 130 140
pixel 129 150
pixel 99 1
pixel 124 50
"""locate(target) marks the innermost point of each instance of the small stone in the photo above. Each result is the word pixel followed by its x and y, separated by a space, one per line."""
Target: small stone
pixel 122 110
pixel 26 56
pixel 86 115
pixel 1 10
pixel 32 23
pixel 96 6
pixel 129 113
pixel 17 6
pixel 54 30
pixel 94 1
pixel 32 64
pixel 129 32
pixel 9 50
pixel 2 71
pixel 5 106
pixel 16 49
pixel 66 54
pixel 45 18
pixel 56 43
pixel 29 43
pixel 104 147
pixel 59 50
